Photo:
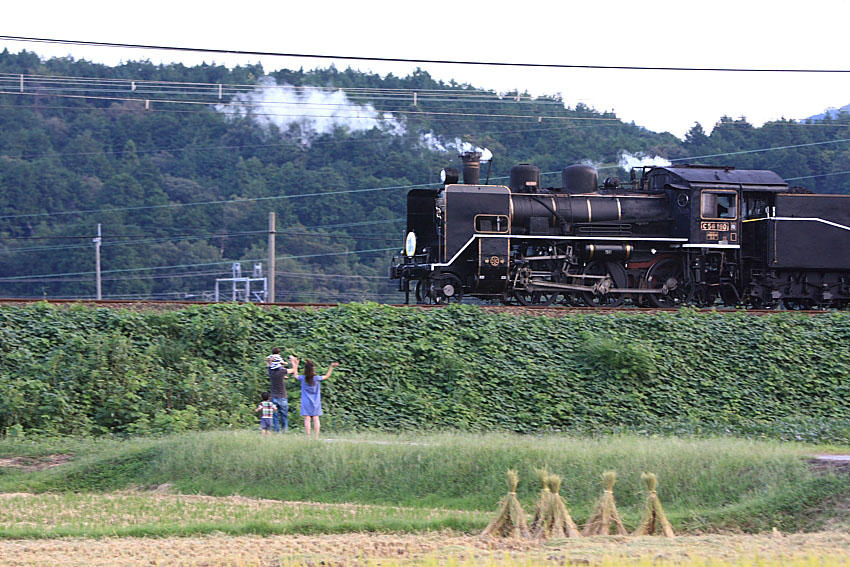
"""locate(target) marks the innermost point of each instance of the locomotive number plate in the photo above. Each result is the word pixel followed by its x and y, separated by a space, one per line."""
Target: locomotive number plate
pixel 721 226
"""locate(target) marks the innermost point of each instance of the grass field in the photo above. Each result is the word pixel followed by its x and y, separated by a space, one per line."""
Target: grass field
pixel 704 484
pixel 236 498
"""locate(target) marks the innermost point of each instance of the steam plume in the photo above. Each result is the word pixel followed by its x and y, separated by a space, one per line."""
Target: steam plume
pixel 457 145
pixel 311 110
pixel 628 161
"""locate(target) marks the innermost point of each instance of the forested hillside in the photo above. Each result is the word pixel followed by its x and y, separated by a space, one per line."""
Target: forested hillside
pixel 182 165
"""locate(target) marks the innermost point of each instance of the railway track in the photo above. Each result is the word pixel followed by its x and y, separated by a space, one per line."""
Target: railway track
pixel 554 311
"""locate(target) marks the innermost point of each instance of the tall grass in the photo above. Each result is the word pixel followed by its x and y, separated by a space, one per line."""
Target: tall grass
pixel 704 483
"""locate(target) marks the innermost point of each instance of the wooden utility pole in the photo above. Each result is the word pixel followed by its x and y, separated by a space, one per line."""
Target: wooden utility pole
pixel 97 262
pixel 270 298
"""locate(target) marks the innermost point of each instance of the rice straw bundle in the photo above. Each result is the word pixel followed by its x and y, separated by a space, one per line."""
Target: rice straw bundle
pixel 562 524
pixel 510 518
pixel 653 513
pixel 605 510
pixel 543 504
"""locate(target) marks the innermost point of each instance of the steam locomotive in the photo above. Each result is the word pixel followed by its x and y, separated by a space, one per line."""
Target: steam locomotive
pixel 684 234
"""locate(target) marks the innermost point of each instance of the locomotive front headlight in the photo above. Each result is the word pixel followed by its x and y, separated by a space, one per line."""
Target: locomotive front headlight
pixel 410 244
pixel 448 175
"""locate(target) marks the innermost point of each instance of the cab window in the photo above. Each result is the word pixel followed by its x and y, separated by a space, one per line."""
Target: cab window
pixel 719 205
pixel 491 223
pixel 755 208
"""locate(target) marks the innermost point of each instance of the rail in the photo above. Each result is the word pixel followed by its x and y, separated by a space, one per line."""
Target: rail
pixel 552 310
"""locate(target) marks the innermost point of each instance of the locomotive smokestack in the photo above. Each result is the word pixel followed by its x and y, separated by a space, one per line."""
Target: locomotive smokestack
pixel 471 167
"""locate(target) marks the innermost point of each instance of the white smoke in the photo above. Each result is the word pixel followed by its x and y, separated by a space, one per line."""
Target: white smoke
pixel 311 110
pixel 628 161
pixel 457 145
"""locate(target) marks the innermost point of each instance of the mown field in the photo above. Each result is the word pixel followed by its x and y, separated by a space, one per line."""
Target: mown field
pixel 236 498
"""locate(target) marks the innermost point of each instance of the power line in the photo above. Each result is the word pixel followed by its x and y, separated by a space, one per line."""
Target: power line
pixel 171 239
pixel 125 270
pixel 814 176
pixel 405 60
pixel 219 202
pixel 175 236
pixel 376 114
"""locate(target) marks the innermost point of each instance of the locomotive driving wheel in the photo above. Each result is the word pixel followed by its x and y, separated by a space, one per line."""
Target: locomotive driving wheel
pixel 526 296
pixel 538 297
pixel 605 294
pixel 668 276
pixel 798 304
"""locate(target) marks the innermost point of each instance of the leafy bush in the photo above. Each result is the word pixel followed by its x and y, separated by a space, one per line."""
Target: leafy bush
pixel 96 371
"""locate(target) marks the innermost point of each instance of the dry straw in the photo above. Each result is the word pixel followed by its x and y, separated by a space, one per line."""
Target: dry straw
pixel 510 518
pixel 560 523
pixel 605 510
pixel 539 521
pixel 653 514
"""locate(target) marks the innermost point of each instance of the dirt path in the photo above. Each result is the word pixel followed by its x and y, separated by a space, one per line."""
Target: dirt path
pixel 335 550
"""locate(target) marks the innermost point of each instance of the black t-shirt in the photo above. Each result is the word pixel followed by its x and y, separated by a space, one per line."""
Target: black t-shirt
pixel 277 386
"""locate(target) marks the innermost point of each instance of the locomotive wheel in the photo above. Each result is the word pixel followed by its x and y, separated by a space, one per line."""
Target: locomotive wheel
pixel 617 277
pixel 446 289
pixel 422 291
pixel 544 298
pixel 668 275
pixel 525 276
pixel 798 304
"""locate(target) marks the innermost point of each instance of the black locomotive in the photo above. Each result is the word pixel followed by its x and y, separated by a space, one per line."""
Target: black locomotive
pixel 688 234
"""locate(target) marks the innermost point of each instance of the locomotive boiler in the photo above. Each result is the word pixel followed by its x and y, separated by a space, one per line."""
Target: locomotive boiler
pixel 687 234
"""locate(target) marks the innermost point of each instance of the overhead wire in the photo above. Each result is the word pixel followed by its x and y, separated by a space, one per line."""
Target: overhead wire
pixel 8 279
pixel 218 202
pixel 404 60
pixel 374 117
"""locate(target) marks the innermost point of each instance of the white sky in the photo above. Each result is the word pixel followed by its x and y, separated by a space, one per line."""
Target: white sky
pixel 720 33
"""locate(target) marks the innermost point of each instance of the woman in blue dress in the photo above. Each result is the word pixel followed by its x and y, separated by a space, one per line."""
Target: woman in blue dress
pixel 311 393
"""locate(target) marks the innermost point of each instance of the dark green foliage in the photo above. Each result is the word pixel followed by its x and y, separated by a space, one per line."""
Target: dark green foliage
pixel 96 371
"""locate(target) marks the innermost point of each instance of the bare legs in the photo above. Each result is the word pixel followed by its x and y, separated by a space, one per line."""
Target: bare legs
pixel 316 424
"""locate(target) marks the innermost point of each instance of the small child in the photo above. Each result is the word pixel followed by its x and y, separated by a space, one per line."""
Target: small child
pixel 274 360
pixel 267 416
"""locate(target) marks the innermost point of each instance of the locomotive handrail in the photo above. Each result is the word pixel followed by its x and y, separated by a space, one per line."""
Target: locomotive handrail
pixel 565 238
pixel 810 219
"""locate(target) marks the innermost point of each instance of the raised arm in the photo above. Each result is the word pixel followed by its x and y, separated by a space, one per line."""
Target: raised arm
pixel 330 370
pixel 294 366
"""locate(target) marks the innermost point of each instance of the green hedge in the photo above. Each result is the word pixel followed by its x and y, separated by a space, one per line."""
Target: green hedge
pixel 80 370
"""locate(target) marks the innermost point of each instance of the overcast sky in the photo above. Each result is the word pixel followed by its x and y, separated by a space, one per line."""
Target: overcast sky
pixel 721 33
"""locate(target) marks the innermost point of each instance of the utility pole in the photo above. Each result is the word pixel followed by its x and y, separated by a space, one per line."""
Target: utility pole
pixel 270 298
pixel 97 262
